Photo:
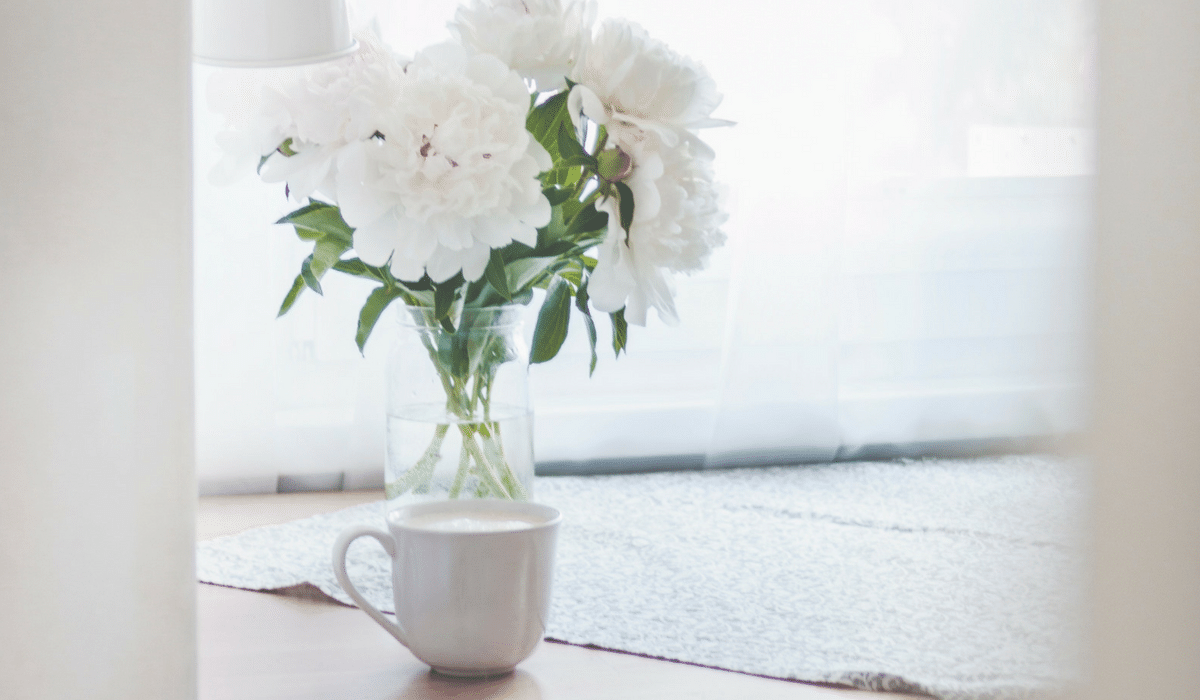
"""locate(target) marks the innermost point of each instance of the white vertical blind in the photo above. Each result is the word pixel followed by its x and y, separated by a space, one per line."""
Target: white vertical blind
pixel 908 188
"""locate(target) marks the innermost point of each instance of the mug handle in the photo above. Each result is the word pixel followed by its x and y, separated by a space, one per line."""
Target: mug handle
pixel 340 547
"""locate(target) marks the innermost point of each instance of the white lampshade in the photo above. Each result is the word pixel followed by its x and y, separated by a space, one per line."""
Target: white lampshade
pixel 265 33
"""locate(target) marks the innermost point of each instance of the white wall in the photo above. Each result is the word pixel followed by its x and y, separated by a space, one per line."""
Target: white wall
pixel 97 491
pixel 1146 516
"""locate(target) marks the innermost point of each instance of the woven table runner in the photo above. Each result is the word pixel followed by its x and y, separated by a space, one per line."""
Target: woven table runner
pixel 955 578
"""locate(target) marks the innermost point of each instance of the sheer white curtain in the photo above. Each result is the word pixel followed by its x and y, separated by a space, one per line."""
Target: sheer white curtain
pixel 908 186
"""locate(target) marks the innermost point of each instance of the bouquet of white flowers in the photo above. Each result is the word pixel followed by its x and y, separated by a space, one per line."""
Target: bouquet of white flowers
pixel 531 151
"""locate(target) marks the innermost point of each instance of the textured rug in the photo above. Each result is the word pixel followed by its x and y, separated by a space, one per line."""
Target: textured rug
pixel 955 578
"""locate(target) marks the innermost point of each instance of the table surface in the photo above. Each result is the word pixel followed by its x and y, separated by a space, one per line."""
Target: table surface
pixel 260 646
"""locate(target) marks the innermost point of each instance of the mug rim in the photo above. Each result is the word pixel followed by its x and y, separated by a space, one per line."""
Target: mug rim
pixel 550 515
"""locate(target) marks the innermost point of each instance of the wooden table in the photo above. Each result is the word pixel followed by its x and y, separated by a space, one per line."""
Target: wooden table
pixel 260 646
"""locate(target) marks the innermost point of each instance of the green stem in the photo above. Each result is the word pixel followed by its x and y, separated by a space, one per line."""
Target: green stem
pixel 485 469
pixel 579 187
pixel 422 471
pixel 493 447
pixel 454 400
pixel 601 143
pixel 464 464
pixel 468 399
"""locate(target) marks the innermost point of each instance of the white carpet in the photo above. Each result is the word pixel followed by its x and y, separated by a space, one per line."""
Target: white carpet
pixel 955 578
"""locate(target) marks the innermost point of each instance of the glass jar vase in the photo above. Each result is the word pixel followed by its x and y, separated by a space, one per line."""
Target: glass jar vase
pixel 459 422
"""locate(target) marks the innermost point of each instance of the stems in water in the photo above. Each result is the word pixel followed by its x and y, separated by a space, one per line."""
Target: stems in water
pixel 466 379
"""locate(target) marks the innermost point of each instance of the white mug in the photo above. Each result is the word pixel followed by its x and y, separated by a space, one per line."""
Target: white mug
pixel 471 581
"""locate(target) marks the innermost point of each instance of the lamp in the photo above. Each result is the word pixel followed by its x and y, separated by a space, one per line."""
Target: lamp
pixel 268 33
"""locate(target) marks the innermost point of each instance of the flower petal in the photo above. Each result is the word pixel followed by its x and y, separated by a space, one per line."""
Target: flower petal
pixel 474 261
pixel 583 100
pixel 537 214
pixel 359 202
pixel 407 269
pixel 611 282
pixel 375 241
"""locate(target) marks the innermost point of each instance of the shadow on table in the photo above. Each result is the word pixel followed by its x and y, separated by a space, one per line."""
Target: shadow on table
pixel 517 685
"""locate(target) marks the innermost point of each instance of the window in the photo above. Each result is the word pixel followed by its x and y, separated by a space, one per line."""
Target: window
pixel 909 191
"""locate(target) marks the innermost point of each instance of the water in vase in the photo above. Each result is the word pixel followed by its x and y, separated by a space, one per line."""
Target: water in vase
pixel 431 455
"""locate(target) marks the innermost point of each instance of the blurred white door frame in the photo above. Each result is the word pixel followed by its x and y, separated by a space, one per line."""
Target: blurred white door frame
pixel 1145 597
pixel 97 491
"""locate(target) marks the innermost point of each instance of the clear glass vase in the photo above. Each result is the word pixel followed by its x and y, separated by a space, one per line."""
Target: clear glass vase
pixel 459 423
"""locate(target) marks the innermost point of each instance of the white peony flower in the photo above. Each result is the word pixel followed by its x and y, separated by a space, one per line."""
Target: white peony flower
pixel 640 82
pixel 540 39
pixel 256 121
pixel 336 103
pixel 676 220
pixel 321 108
pixel 649 100
pixel 454 173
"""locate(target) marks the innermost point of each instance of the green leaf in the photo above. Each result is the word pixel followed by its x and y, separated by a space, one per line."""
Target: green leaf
pixel 566 173
pixel 524 273
pixel 556 195
pixel 568 145
pixel 310 278
pixel 620 332
pixel 576 161
pixel 444 295
pixel 320 218
pixel 626 202
pixel 313 205
pixel 496 276
pixel 572 274
pixel 552 323
pixel 306 234
pixel 483 352
pixel 326 254
pixel 422 285
pixel 556 229
pixel 482 293
pixel 413 297
pixel 557 249
pixel 358 268
pixel 581 303
pixel 517 250
pixel 587 221
pixel 292 295
pixel 452 350
pixel 377 301
pixel 544 120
